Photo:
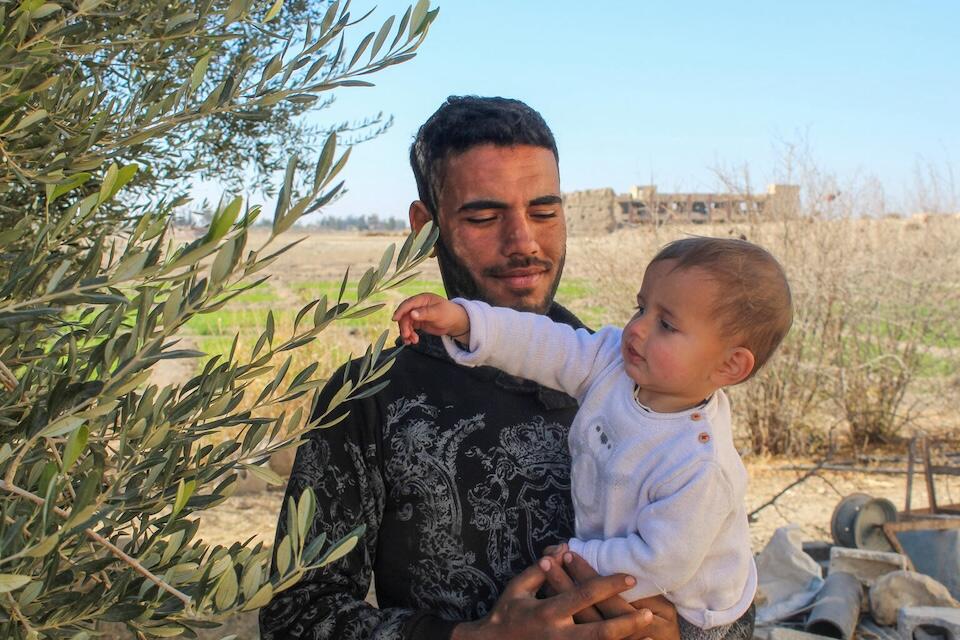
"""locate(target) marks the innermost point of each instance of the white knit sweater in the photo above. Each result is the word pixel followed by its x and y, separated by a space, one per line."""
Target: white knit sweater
pixel 656 496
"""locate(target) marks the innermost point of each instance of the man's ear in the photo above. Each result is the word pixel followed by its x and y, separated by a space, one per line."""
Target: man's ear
pixel 419 215
pixel 736 367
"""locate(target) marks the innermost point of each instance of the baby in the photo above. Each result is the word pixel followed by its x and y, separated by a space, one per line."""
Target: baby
pixel 658 488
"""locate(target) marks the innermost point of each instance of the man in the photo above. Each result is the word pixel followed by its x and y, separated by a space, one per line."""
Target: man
pixel 460 475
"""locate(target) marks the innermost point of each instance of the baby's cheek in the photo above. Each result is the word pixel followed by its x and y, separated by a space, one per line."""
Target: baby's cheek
pixel 661 358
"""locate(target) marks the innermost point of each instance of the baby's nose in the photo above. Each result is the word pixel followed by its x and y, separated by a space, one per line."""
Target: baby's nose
pixel 637 330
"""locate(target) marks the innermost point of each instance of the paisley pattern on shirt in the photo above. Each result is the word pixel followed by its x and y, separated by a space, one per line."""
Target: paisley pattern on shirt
pixel 423 469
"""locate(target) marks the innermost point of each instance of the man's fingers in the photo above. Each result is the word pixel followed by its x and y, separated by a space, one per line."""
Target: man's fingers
pixel 559 582
pixel 615 606
pixel 632 625
pixel 526 583
pixel 580 570
pixel 589 593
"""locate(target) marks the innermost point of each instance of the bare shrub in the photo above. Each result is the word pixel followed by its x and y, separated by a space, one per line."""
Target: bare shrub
pixel 874 345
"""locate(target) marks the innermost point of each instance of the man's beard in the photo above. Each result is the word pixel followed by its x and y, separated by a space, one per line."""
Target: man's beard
pixel 459 283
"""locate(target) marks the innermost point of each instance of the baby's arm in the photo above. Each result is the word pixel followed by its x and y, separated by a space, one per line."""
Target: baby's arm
pixel 673 535
pixel 532 346
pixel 435 315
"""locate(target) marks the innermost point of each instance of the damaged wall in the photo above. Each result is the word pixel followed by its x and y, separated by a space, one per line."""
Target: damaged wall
pixel 598 211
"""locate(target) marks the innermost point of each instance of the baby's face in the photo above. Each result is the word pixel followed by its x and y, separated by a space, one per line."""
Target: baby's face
pixel 672 346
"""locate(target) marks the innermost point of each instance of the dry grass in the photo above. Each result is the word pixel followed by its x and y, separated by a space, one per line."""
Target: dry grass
pixel 873 352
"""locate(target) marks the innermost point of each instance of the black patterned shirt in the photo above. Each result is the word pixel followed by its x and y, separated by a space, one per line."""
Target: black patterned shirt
pixel 461 477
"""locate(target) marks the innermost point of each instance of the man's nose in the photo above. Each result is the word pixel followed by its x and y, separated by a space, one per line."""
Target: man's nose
pixel 518 236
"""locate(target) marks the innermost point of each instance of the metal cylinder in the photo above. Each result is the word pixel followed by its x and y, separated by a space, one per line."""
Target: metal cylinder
pixel 837 608
pixel 858 519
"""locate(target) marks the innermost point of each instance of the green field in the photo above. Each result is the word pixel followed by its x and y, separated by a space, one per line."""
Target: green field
pixel 246 315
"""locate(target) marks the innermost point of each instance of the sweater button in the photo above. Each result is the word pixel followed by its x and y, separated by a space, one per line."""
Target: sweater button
pixel 696 415
pixel 704 437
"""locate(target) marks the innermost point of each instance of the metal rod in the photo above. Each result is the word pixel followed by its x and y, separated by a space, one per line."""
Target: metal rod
pixel 928 474
pixel 845 467
pixel 910 458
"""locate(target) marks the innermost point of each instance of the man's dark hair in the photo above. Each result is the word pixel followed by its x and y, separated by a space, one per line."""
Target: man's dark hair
pixel 464 122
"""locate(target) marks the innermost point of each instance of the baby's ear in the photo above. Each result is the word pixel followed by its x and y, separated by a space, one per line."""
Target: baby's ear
pixel 736 367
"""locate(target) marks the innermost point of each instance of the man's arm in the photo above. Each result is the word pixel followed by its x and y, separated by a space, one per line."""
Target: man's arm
pixel 340 465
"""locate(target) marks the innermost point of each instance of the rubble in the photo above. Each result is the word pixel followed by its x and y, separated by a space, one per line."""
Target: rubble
pixel 837 608
pixel 866 565
pixel 929 619
pixel 906 588
pixel 858 519
pixel 786 633
pixel 936 553
pixel 788 579
pixel 912 593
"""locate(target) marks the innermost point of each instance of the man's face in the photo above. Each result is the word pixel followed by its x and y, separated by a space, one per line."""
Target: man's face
pixel 502 230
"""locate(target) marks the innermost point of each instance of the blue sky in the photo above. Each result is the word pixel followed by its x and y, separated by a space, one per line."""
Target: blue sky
pixel 643 92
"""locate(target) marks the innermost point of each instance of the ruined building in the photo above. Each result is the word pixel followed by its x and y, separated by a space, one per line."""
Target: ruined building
pixel 602 210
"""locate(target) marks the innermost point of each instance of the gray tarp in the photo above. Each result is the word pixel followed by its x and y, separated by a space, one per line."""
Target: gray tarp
pixel 789 579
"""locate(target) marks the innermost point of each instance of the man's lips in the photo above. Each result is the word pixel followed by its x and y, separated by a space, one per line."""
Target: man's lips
pixel 520 278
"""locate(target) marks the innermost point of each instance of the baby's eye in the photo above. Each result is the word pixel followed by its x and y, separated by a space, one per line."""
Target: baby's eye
pixel 667 326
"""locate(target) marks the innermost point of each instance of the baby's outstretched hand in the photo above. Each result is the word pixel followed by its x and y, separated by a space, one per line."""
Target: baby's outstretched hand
pixel 435 315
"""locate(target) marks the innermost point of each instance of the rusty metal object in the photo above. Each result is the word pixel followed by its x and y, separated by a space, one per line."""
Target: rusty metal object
pixel 924 446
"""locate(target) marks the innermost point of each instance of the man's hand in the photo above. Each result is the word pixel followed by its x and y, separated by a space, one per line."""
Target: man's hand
pixel 435 315
pixel 518 613
pixel 575 571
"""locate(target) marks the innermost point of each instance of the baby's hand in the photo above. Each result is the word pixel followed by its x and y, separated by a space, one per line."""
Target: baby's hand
pixel 435 315
pixel 556 550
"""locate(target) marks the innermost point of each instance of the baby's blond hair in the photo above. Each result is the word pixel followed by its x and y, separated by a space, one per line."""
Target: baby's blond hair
pixel 754 304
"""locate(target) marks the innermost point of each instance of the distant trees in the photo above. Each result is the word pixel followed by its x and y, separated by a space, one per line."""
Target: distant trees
pixel 200 216
pixel 371 222
pixel 107 111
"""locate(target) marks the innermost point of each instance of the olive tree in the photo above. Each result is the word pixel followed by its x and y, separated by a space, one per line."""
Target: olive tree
pixel 103 472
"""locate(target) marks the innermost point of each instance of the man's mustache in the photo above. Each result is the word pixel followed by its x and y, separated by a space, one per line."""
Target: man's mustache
pixel 519 262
